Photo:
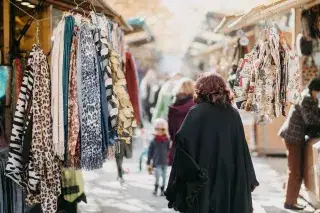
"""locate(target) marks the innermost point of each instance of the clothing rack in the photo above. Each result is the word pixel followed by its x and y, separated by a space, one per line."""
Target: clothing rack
pixel 100 6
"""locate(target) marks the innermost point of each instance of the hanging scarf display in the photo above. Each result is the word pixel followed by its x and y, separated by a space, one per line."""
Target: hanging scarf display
pixel 263 79
pixel 46 165
pixel 126 120
pixel 69 115
pixel 56 88
pixel 15 168
pixel 89 102
pixel 103 50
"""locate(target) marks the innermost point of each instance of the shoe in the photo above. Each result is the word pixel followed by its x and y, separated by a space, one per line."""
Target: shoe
pixel 162 191
pixel 294 207
pixel 155 192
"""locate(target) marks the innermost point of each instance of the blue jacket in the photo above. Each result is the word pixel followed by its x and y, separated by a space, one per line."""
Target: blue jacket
pixel 158 152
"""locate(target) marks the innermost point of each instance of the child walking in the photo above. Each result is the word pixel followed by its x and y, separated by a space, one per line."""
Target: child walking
pixel 158 154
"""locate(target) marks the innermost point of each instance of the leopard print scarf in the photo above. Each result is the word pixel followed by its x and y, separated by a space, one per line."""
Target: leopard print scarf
pixel 89 101
pixel 42 156
pixel 73 152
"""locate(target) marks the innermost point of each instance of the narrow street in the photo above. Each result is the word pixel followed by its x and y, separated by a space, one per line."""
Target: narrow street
pixel 105 195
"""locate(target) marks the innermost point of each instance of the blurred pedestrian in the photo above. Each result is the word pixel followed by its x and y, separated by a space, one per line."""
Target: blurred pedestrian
pixel 158 153
pixel 212 169
pixel 303 119
pixel 166 97
pixel 183 102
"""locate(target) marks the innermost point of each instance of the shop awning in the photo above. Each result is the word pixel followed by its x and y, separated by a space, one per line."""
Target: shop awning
pixel 266 12
pixel 140 34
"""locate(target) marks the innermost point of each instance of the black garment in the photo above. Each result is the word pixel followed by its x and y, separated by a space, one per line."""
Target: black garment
pixel 158 152
pixel 212 171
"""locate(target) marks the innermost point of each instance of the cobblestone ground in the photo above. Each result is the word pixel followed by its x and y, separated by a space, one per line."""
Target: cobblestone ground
pixel 106 195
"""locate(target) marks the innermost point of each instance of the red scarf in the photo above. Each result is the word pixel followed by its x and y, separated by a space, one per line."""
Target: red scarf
pixel 161 138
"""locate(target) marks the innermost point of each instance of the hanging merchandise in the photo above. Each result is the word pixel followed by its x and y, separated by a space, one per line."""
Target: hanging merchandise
pixel 309 70
pixel 268 78
pixel 133 86
pixel 11 195
pixel 68 117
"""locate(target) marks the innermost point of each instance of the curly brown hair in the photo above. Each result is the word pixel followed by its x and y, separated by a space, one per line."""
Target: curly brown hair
pixel 211 87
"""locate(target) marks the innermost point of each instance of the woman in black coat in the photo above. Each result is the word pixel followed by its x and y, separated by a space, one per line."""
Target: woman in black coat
pixel 212 171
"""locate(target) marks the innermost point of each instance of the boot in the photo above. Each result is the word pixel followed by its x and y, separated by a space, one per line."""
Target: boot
pixel 162 191
pixel 155 192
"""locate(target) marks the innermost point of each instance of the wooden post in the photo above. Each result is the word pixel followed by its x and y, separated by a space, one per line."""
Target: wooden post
pixel 46 29
pixel 296 12
pixel 6 31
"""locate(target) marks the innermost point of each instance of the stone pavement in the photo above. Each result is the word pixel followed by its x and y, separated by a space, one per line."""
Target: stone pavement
pixel 106 195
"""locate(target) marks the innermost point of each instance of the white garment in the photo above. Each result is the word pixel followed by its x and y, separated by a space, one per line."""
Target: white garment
pixel 56 89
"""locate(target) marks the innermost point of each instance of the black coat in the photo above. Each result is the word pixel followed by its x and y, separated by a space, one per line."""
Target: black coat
pixel 212 170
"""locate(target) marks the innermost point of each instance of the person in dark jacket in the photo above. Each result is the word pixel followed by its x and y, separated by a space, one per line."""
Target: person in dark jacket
pixel 212 170
pixel 179 110
pixel 301 117
pixel 158 153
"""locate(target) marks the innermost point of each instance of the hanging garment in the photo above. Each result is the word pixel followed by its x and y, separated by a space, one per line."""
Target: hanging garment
pixel 103 50
pixel 73 154
pixel 133 86
pixel 11 195
pixel 57 90
pixel 309 70
pixel 126 120
pixel 293 89
pixel 42 156
pixel 68 36
pixel 103 96
pixel 17 76
pixel 89 102
pixel 72 184
pixel 15 168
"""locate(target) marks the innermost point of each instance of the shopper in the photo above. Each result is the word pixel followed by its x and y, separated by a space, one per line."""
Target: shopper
pixel 158 152
pixel 183 102
pixel 300 118
pixel 166 97
pixel 212 170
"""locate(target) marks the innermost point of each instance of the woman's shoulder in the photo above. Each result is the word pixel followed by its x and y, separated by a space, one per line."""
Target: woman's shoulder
pixel 307 101
pixel 210 106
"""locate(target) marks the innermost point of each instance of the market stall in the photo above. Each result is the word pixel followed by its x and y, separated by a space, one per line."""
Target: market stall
pixel 66 66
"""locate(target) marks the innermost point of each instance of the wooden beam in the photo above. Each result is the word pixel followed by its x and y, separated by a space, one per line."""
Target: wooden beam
pixel 6 31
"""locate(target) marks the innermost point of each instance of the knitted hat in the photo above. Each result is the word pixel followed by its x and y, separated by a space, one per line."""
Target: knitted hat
pixel 314 84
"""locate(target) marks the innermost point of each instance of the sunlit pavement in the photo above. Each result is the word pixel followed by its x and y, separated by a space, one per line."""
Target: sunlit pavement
pixel 106 195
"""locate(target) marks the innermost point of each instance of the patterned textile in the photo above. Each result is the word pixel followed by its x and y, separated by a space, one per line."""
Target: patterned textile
pixel 68 36
pixel 15 168
pixel 126 120
pixel 45 163
pixel 103 96
pixel 89 102
pixel 103 49
pixel 73 157
pixel 267 78
pixel 293 89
